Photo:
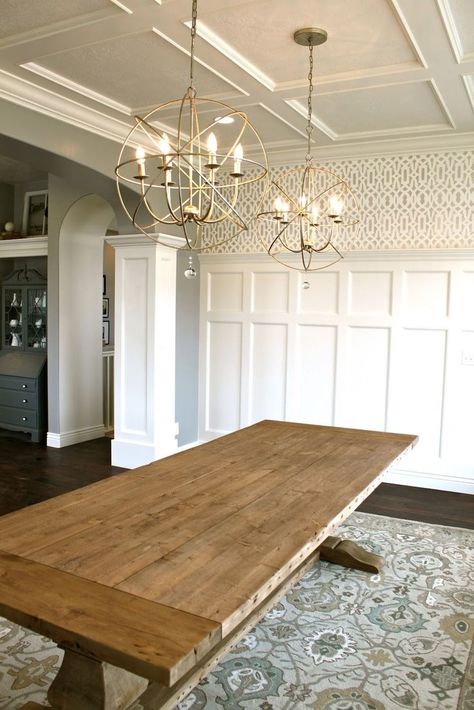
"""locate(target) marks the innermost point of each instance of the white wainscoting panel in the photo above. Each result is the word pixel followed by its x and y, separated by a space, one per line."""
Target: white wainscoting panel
pixel 225 350
pixel 370 293
pixel 426 294
pixel 225 292
pixel 379 341
pixel 268 371
pixel 315 375
pixel 270 292
pixel 322 296
pixel 365 376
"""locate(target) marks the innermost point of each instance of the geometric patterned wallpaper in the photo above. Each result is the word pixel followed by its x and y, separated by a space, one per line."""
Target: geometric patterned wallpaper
pixel 414 201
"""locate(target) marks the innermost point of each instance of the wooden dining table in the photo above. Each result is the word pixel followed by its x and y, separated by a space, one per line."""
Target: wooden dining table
pixel 147 578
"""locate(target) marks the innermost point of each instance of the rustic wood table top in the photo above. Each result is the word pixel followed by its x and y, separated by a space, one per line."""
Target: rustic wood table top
pixel 151 569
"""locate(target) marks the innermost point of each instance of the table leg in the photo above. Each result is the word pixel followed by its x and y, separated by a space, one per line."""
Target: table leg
pixel 349 554
pixel 86 684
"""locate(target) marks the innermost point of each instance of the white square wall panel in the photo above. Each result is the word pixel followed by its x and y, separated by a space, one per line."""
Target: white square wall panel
pixel 468 297
pixel 223 376
pixel 268 371
pixel 224 292
pixel 270 292
pixel 313 398
pixel 370 293
pixel 426 293
pixel 416 403
pixel 322 296
pixel 365 371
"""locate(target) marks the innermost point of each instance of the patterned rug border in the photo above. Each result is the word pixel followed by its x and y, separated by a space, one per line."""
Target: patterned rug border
pixel 409 520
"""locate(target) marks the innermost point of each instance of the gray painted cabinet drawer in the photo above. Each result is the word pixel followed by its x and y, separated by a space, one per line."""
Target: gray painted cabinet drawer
pixel 22 400
pixel 24 384
pixel 19 417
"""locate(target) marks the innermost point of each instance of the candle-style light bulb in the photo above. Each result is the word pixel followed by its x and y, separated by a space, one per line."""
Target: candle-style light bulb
pixel 140 158
pixel 285 207
pixel 238 155
pixel 164 147
pixel 314 216
pixel 302 201
pixel 278 205
pixel 335 207
pixel 212 149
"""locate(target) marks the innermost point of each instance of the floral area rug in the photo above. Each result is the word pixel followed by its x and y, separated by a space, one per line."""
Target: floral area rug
pixel 339 640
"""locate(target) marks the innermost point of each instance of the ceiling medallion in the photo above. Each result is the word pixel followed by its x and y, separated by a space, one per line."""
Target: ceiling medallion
pixel 185 168
pixel 309 210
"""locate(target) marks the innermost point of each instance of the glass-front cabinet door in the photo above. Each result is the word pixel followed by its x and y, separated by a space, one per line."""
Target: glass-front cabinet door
pixel 13 318
pixel 24 312
pixel 36 321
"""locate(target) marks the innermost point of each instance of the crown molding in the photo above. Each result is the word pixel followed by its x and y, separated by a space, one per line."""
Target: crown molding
pixel 24 93
pixel 49 103
pixel 166 242
pixel 77 88
pixel 23 247
pixel 350 256
pixel 376 148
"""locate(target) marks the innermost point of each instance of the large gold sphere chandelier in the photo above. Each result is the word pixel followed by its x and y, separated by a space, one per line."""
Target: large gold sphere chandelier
pixel 308 210
pixel 178 176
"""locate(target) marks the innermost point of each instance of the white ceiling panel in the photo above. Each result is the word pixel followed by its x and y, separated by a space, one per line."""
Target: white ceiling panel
pixel 136 70
pixel 393 75
pixel 266 121
pixel 18 16
pixel 463 16
pixel 370 37
pixel 397 107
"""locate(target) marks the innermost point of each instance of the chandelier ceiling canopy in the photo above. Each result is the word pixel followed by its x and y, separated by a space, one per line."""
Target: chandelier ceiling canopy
pixel 308 211
pixel 187 165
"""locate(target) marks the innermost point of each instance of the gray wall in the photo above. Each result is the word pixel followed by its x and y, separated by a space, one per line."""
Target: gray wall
pixel 187 350
pixel 6 204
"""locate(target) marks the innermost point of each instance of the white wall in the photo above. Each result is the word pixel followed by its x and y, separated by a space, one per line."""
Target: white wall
pixel 380 341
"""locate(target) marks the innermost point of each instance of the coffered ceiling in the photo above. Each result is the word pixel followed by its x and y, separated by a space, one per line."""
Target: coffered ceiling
pixel 394 75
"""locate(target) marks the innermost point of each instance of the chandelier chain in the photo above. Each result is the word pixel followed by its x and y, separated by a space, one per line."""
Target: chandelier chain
pixel 309 126
pixel 191 89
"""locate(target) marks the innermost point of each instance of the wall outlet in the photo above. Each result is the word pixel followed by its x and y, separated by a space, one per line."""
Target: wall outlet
pixel 467 357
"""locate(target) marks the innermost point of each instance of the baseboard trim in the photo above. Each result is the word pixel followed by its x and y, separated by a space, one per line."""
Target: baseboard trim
pixel 77 436
pixel 184 447
pixel 420 479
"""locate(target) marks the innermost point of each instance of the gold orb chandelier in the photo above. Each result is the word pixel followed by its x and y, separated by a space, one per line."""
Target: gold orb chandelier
pixel 308 211
pixel 184 166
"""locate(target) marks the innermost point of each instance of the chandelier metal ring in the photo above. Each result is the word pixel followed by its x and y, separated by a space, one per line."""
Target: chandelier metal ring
pixel 171 173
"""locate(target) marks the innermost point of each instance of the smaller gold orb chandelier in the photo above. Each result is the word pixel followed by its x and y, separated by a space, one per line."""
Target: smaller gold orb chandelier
pixel 308 210
pixel 184 166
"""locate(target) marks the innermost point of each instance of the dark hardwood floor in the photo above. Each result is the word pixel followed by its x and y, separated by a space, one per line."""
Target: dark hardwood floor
pixel 30 473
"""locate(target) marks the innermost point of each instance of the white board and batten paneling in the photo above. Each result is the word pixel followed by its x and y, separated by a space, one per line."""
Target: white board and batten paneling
pixel 379 341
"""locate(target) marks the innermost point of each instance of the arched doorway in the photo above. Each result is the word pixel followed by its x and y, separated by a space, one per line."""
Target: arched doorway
pixel 77 399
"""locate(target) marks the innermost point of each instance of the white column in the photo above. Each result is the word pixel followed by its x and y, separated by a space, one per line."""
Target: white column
pixel 145 324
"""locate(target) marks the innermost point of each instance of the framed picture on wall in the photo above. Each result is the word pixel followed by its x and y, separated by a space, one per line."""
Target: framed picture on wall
pixel 105 307
pixel 105 332
pixel 35 213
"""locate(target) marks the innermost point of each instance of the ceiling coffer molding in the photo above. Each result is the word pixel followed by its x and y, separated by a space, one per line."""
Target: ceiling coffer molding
pixel 97 69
